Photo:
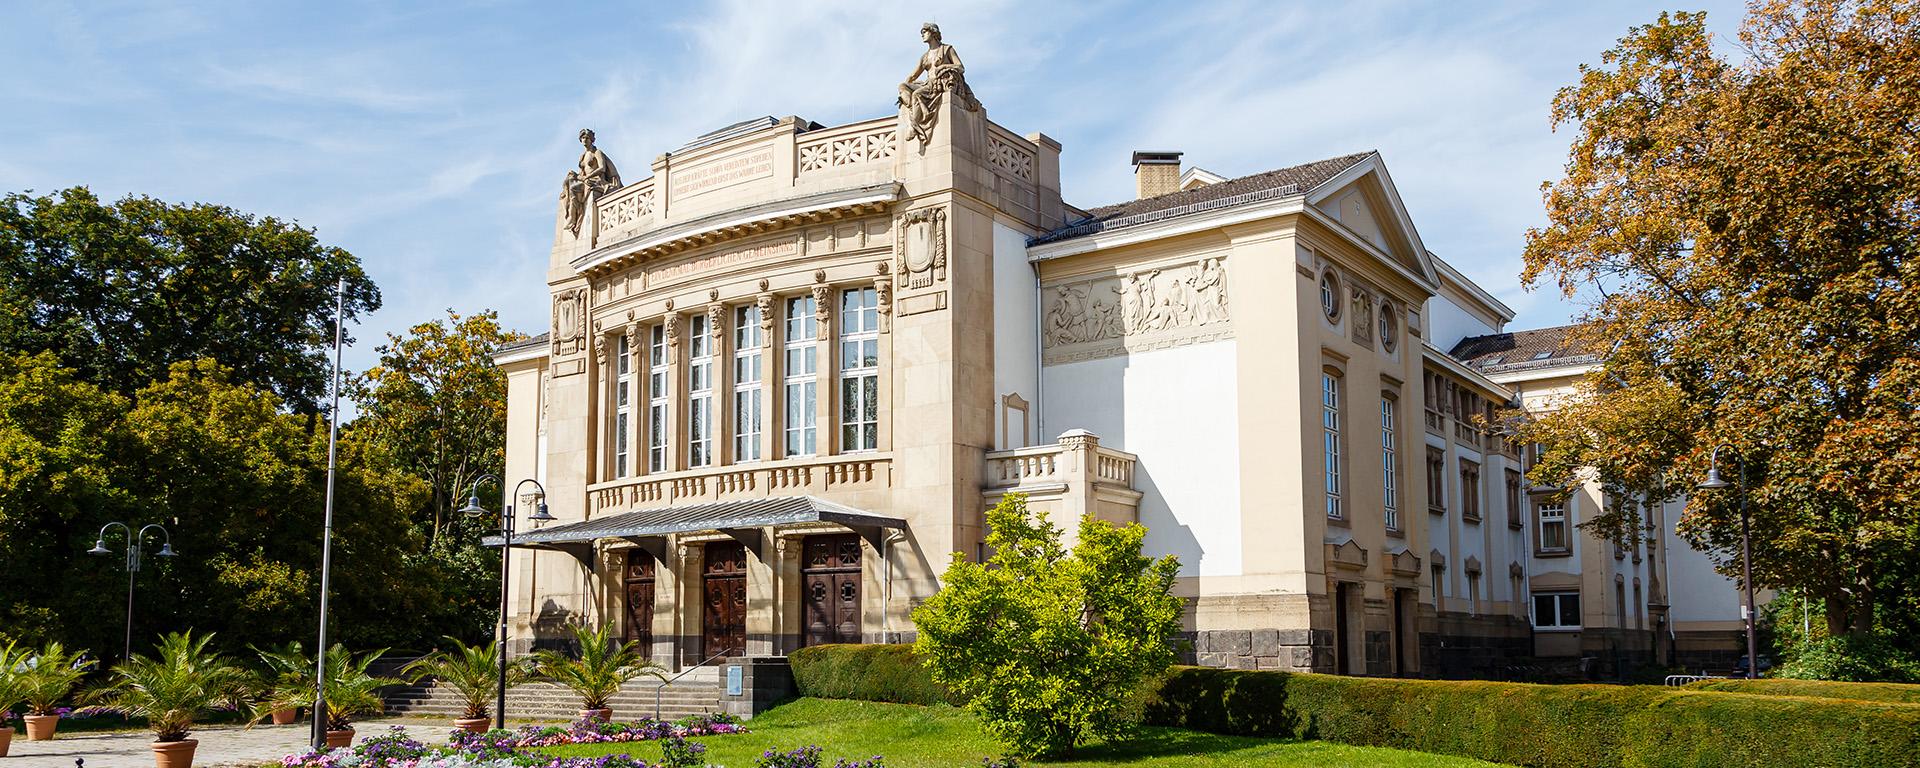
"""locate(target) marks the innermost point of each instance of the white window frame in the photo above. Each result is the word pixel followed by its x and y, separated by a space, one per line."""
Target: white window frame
pixel 658 395
pixel 802 377
pixel 622 405
pixel 748 411
pixel 1557 519
pixel 699 392
pixel 859 393
pixel 1390 461
pixel 1330 443
pixel 1552 623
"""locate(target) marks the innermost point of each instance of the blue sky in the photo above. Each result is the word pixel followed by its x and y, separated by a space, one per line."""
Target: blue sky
pixel 429 140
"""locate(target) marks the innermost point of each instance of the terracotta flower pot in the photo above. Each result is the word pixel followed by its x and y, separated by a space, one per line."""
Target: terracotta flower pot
pixel 174 754
pixel 40 727
pixel 602 714
pixel 286 716
pixel 338 739
pixel 6 739
pixel 474 725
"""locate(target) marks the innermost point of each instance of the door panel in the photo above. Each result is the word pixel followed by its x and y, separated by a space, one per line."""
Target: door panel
pixel 724 610
pixel 830 591
pixel 638 580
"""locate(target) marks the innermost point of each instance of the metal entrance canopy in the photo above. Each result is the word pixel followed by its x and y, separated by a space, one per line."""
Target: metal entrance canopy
pixel 578 538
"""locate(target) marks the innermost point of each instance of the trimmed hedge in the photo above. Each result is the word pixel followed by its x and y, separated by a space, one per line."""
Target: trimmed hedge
pixel 1542 725
pixel 1899 693
pixel 877 672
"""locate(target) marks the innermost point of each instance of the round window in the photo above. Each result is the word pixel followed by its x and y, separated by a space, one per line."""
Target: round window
pixel 1330 294
pixel 1389 326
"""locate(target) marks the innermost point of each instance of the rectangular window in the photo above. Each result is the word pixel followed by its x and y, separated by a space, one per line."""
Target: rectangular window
pixel 747 338
pixel 1436 480
pixel 1389 463
pixel 1556 610
pixel 657 400
pixel 1553 525
pixel 699 392
pixel 622 403
pixel 1330 424
pixel 1469 491
pixel 801 373
pixel 1514 497
pixel 859 370
pixel 1473 593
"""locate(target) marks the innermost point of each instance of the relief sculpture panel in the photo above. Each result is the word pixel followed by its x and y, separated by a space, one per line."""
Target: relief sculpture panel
pixel 1137 310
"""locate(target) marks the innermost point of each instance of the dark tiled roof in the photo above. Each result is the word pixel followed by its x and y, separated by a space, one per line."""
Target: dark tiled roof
pixel 1521 350
pixel 516 346
pixel 1226 194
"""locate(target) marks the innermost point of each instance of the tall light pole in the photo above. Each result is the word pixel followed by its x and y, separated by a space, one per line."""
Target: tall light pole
pixel 134 542
pixel 318 737
pixel 539 515
pixel 1714 483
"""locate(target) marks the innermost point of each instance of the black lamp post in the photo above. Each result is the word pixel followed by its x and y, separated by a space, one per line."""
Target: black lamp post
pixel 1714 483
pixel 539 515
pixel 134 542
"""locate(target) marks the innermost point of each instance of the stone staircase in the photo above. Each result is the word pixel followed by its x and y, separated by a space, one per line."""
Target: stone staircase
pixel 697 693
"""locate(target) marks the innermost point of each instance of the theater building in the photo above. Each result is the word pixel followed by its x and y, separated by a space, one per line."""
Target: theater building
pixel 790 367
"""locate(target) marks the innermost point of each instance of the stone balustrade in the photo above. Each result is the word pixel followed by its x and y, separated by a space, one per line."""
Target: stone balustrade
pixel 1068 479
pixel 794 477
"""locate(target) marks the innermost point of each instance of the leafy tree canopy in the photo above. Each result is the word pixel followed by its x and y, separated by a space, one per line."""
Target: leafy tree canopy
pixel 1749 229
pixel 120 291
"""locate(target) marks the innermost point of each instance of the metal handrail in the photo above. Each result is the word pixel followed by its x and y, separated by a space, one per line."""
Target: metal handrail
pixel 683 673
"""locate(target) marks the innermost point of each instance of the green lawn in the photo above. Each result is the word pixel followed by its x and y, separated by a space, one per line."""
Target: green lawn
pixel 925 737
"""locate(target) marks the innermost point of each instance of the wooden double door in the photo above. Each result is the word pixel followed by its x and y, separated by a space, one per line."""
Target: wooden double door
pixel 637 582
pixel 830 589
pixel 723 618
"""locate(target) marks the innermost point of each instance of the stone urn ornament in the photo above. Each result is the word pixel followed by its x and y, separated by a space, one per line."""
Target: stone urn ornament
pixel 174 754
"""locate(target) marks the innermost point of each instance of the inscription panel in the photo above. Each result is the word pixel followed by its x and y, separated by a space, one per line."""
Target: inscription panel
pixel 751 164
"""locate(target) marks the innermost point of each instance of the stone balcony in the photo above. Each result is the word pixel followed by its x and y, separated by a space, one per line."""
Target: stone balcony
pixel 814 476
pixel 1069 479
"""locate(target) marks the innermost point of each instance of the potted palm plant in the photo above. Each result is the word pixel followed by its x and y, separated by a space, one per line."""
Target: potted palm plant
pixel 50 675
pixel 286 684
pixel 473 671
pixel 180 682
pixel 604 665
pixel 351 692
pixel 12 692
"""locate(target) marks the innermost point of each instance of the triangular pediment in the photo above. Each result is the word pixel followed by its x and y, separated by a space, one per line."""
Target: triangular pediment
pixel 1363 200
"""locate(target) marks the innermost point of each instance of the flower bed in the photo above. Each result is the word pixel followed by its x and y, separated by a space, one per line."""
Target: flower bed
pixel 502 748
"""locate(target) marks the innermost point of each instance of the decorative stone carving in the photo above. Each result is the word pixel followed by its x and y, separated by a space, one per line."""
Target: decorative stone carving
pixel 600 349
pixel 920 246
pixel 883 293
pixel 1152 308
pixel 596 176
pixel 569 321
pixel 717 320
pixel 764 303
pixel 1362 315
pixel 1012 160
pixel 870 147
pixel 920 99
pixel 673 335
pixel 821 314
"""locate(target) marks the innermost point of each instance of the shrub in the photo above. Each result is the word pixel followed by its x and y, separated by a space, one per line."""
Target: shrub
pixel 1541 725
pixel 1895 693
pixel 49 675
pixel 604 666
pixel 472 671
pixel 891 673
pixel 1860 658
pixel 169 691
pixel 1048 644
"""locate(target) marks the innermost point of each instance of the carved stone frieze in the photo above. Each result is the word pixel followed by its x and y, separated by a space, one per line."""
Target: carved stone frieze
pixel 569 321
pixel 920 247
pixel 868 147
pixel 1150 308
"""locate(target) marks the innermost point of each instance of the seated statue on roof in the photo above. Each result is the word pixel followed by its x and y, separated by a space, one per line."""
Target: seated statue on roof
pixel 596 176
pixel 944 74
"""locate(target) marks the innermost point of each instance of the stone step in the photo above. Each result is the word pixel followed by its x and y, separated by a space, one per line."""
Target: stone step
pixel 547 701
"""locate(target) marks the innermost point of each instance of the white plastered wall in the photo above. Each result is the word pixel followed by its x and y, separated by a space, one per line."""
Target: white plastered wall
pixel 1015 344
pixel 1175 409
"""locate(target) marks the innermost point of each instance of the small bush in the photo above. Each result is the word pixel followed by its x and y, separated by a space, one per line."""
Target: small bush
pixel 1542 725
pixel 890 673
pixel 1858 658
pixel 1894 693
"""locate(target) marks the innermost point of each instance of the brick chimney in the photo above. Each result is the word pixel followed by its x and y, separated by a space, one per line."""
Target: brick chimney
pixel 1156 173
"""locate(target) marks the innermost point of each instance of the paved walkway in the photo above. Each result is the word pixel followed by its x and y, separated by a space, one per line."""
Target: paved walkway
pixel 220 745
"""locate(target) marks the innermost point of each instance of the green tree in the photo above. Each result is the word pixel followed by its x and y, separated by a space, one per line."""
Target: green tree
pixel 1048 646
pixel 1747 231
pixel 120 291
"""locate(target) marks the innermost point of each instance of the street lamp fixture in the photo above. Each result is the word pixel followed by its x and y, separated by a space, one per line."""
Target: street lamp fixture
pixel 507 518
pixel 1715 483
pixel 135 542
